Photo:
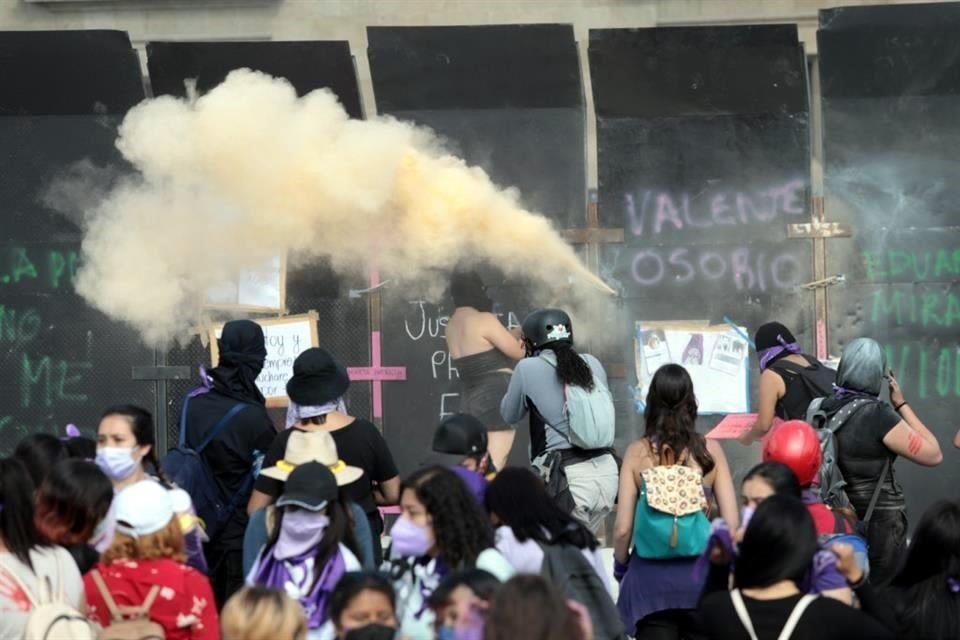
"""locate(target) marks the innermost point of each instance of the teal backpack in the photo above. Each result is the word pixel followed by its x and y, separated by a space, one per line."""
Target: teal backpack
pixel 670 520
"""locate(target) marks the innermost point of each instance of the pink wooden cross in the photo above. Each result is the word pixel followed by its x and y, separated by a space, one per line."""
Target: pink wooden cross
pixel 377 373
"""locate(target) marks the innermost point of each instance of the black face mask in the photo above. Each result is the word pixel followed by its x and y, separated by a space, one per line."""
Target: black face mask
pixel 371 632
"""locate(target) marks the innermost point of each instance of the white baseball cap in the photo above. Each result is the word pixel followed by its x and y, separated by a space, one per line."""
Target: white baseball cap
pixel 143 508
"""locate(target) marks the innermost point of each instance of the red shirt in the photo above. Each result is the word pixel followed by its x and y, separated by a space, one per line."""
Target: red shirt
pixel 826 521
pixel 185 607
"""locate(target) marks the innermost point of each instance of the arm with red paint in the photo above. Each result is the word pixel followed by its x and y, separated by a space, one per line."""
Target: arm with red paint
pixel 911 438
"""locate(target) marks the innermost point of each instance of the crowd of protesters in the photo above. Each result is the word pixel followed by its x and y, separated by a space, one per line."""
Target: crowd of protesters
pixel 249 532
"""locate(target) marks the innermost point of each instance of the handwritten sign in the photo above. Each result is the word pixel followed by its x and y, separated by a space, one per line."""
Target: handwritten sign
pixel 733 426
pixel 736 424
pixel 286 338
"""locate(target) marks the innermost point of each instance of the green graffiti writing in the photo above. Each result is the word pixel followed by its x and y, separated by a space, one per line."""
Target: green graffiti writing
pixel 50 268
pixel 926 309
pixel 926 371
pixel 22 266
pixel 912 265
pixel 61 264
pixel 18 326
pixel 47 380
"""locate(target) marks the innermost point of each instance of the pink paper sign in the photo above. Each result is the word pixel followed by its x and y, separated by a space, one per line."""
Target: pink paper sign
pixel 733 426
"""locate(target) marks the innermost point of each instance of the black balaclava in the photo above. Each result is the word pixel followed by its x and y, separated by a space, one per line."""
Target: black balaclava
pixel 242 354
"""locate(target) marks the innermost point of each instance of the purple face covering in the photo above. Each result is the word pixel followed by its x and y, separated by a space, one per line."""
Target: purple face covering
pixel 409 539
pixel 300 532
pixel 295 577
pixel 768 355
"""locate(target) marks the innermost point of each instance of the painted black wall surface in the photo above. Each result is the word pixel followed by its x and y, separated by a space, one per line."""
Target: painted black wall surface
pixel 344 322
pixel 306 65
pixel 505 98
pixel 891 92
pixel 703 151
pixel 62 95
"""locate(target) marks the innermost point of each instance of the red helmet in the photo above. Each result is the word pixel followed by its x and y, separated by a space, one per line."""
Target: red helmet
pixel 795 444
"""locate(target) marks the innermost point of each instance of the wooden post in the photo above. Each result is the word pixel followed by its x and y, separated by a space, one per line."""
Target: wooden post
pixel 593 236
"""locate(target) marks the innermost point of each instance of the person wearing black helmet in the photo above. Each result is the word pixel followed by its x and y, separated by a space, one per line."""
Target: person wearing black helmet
pixel 460 443
pixel 582 480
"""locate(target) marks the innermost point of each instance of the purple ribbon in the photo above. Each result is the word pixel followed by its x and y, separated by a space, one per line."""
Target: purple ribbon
pixel 954 585
pixel 770 353
pixel 295 575
pixel 720 534
pixel 842 393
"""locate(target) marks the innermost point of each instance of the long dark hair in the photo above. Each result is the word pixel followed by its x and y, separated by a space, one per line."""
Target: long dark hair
pixel 39 452
pixel 779 476
pixel 338 531
pixel 460 527
pixel 779 544
pixel 671 418
pixel 16 518
pixel 518 498
pixel 72 501
pixel 530 607
pixel 352 584
pixel 571 367
pixel 926 583
pixel 141 425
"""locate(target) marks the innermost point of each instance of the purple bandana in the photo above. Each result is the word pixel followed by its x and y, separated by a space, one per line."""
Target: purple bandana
pixel 822 576
pixel 768 355
pixel 721 535
pixel 294 577
pixel 841 393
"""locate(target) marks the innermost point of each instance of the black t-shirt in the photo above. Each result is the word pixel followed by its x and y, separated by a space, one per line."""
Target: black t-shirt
pixel 359 444
pixel 862 454
pixel 824 619
pixel 232 455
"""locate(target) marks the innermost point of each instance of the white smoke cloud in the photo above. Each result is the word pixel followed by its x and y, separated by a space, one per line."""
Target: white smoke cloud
pixel 227 181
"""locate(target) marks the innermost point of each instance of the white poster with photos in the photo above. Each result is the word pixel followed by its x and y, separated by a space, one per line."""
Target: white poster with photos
pixel 716 357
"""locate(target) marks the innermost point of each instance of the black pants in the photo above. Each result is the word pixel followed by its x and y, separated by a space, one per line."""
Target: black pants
pixel 671 624
pixel 887 541
pixel 226 572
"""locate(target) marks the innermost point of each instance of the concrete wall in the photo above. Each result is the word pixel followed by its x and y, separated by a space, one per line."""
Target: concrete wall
pixel 209 20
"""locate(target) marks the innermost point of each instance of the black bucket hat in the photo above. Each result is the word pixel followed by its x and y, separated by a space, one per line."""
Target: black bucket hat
pixel 317 378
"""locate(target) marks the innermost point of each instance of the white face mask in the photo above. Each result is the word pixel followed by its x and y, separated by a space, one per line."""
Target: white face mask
pixel 118 463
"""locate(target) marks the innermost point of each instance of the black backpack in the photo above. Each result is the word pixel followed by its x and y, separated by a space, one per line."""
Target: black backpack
pixel 565 567
pixel 817 381
pixel 832 484
pixel 185 466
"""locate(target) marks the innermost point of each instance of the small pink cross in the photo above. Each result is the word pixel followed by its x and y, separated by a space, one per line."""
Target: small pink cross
pixel 377 373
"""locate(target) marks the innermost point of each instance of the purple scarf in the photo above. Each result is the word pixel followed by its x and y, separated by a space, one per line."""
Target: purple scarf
pixel 842 393
pixel 295 578
pixel 768 355
pixel 822 576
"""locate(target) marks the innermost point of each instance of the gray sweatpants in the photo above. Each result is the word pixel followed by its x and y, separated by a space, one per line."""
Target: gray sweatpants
pixel 593 485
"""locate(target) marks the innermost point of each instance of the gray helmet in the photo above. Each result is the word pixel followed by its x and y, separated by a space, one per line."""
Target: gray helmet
pixel 547 326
